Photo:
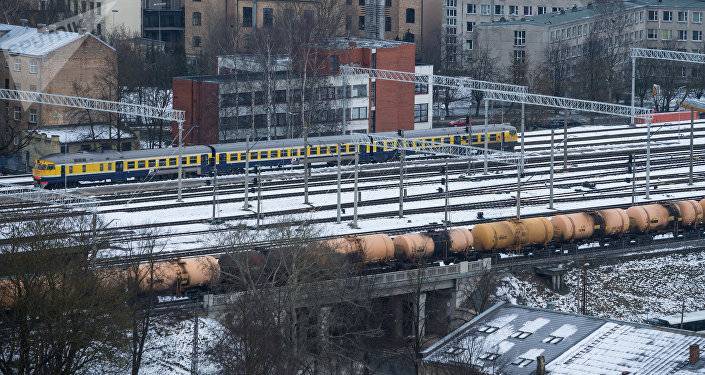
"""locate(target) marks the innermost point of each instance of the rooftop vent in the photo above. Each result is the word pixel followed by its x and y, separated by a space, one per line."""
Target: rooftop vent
pixel 540 365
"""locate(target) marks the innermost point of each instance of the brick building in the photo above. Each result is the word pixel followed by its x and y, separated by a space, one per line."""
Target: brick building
pixel 55 62
pixel 226 108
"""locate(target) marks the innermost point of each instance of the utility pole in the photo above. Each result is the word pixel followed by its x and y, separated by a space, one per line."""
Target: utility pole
pixel 446 219
pixel 402 154
pixel 246 204
pixel 469 130
pixel 648 156
pixel 632 168
pixel 486 138
pixel 181 159
pixel 690 165
pixel 565 141
pixel 633 122
pixel 355 189
pixel 259 198
pixel 550 196
pixel 306 170
pixel 339 206
pixel 520 166
pixel 194 350
pixel 215 190
pixel 583 281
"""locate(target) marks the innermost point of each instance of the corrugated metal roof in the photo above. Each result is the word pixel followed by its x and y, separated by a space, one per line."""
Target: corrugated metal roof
pixel 28 41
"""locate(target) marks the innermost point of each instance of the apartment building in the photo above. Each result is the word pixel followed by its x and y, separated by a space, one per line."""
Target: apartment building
pixel 415 21
pixel 461 18
pixel 163 20
pixel 228 107
pixel 671 24
pixel 37 59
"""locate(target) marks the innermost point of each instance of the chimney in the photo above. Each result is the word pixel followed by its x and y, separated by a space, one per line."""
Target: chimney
pixel 694 354
pixel 42 28
pixel 540 365
pixel 24 22
pixel 82 30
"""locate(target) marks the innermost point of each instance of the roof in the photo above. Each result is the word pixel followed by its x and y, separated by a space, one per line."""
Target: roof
pixel 26 40
pixel 571 344
pixel 576 14
pixel 355 42
pixel 83 132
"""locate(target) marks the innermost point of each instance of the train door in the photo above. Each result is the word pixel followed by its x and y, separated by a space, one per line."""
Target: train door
pixel 118 166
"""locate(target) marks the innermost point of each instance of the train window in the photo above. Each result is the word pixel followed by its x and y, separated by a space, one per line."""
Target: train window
pixel 222 158
pixel 193 159
pixel 493 137
pixel 172 161
pixel 71 169
pixel 151 163
pixel 110 166
pixel 140 164
pixel 101 165
pixel 162 162
pixel 184 160
pixel 130 165
pixel 253 155
pixel 83 168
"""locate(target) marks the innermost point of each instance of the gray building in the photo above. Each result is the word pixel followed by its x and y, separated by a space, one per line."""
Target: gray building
pixel 668 24
pixel 461 18
pixel 510 339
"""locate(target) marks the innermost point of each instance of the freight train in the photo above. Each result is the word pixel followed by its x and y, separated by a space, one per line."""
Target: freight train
pixel 58 170
pixel 636 225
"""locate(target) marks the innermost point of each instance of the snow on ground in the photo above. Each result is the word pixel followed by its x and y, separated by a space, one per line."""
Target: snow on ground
pixel 634 290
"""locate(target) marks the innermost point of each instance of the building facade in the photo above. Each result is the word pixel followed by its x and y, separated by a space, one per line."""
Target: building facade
pixel 163 20
pixel 462 17
pixel 675 25
pixel 54 62
pixel 229 107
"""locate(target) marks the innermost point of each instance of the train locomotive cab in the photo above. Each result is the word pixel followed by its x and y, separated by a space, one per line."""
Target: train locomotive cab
pixel 45 173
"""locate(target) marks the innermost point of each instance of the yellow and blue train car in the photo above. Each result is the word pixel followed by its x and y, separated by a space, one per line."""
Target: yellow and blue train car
pixel 70 169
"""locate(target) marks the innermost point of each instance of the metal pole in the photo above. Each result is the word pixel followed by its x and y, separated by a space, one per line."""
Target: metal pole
pixel 194 350
pixel 469 129
pixel 550 196
pixel 690 166
pixel 633 90
pixel 633 184
pixel 487 110
pixel 565 142
pixel 355 191
pixel 181 161
pixel 338 206
pixel 246 204
pixel 401 182
pixel 648 156
pixel 215 189
pixel 446 219
pixel 259 197
pixel 305 166
pixel 485 135
pixel 520 167
pixel 66 168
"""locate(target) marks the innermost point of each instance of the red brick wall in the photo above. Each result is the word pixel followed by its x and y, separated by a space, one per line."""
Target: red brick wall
pixel 200 101
pixel 395 100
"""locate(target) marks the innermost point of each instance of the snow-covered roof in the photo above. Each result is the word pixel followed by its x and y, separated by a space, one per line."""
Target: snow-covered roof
pixel 510 337
pixel 26 40
pixel 82 133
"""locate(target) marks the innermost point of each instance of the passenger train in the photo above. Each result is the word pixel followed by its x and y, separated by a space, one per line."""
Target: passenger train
pixel 59 169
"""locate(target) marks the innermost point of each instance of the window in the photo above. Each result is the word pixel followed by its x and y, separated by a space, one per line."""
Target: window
pixel 361 22
pixel 387 23
pixel 499 10
pixel 469 26
pixel 193 159
pixel 421 112
pixel 130 164
pixel 387 3
pixel 18 114
pixel 697 36
pixel 513 10
pixel 451 22
pixel 468 44
pixel 451 3
pixel 682 35
pixel 522 362
pixel 196 19
pixel 267 17
pixel 553 340
pixel 485 9
pixel 140 164
pixel 666 34
pixel 528 10
pixel 247 16
pixel 519 37
pixel 519 56
pixel 471 9
pixel 541 10
pixel 151 163
pixel 420 88
pixel 555 9
pixel 358 113
pixel 683 16
pixel 489 356
pixel 196 41
pixel 18 65
pixel 451 12
pixel 651 34
pixel 667 16
pixel 520 335
pixel 33 67
pixel 487 329
pixel 410 15
pixel 697 17
pixel 653 15
pixel 33 116
pixel 162 162
pixel 361 2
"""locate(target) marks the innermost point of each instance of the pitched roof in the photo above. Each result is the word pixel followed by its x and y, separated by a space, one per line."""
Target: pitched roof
pixel 29 41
